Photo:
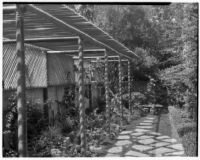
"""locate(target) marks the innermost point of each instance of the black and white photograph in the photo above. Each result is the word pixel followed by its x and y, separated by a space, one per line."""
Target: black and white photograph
pixel 100 79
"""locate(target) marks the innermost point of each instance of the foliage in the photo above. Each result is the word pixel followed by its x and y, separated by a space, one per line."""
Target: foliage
pixel 164 36
pixel 10 126
pixel 187 131
pixel 181 77
pixel 68 98
pixel 151 91
pixel 147 63
pixel 138 98
pixel 187 127
pixel 35 123
pixel 68 117
pixel 189 141
pixel 50 138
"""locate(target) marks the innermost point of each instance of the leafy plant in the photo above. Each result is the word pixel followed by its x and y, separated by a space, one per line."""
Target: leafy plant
pixel 190 143
pixel 188 127
pixel 35 123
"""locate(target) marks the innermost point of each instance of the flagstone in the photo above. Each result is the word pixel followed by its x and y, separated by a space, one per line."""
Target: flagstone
pixel 141 130
pixel 123 137
pixel 179 153
pixel 145 137
pixel 123 142
pixel 126 132
pixel 176 146
pixel 154 133
pixel 115 150
pixel 170 140
pixel 112 155
pixel 142 147
pixel 136 154
pixel 150 117
pixel 143 141
pixel 159 144
pixel 148 121
pixel 134 139
pixel 162 137
pixel 147 141
pixel 145 127
pixel 146 124
pixel 137 134
pixel 160 151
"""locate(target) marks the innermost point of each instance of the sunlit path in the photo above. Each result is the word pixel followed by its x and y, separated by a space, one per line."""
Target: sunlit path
pixel 143 141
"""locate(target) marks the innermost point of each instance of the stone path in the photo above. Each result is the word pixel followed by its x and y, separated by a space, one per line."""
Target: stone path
pixel 143 141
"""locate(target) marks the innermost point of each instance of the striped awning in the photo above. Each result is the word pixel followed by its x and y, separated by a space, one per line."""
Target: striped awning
pixel 58 21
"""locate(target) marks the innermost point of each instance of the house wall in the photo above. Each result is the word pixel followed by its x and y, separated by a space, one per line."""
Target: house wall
pixel 55 94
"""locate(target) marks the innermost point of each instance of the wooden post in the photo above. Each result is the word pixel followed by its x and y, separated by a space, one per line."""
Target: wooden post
pixel 120 89
pixel 90 94
pixel 90 86
pixel 45 94
pixel 129 87
pixel 80 99
pixel 21 84
pixel 107 92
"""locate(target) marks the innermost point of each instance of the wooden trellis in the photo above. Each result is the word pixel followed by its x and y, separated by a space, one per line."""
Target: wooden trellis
pixel 106 90
pixel 60 25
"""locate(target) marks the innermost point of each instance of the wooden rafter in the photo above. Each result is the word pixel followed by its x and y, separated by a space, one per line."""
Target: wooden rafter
pixel 71 40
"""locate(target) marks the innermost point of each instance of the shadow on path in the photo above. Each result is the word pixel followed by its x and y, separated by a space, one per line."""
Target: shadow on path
pixel 143 139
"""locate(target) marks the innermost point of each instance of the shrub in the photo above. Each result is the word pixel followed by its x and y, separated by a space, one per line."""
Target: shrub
pixel 187 131
pixel 189 141
pixel 188 127
pixel 35 123
pixel 138 97
pixel 35 120
pixel 50 138
pixel 67 124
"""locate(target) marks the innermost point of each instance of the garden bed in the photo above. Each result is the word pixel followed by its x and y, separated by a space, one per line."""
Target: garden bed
pixel 186 128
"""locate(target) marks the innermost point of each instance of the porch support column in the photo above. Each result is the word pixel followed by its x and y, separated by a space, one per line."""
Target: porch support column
pixel 81 98
pixel 120 89
pixel 106 91
pixel 21 86
pixel 129 87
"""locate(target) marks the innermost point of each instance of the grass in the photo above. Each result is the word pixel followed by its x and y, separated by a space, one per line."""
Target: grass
pixel 187 130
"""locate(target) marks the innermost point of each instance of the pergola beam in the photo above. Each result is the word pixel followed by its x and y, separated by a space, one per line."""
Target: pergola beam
pixel 9 9
pixel 98 53
pixel 96 57
pixel 122 60
pixel 67 26
pixel 76 51
pixel 71 40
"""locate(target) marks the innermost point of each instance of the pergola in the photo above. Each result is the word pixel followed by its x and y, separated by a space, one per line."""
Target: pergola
pixel 59 29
